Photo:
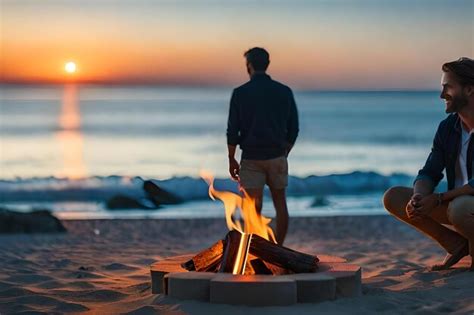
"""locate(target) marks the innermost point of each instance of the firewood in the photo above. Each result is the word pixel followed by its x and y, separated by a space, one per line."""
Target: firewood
pixel 232 242
pixel 259 267
pixel 249 270
pixel 275 270
pixel 282 256
pixel 207 260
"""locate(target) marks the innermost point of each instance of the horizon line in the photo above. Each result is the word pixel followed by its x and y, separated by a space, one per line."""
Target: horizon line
pixel 158 84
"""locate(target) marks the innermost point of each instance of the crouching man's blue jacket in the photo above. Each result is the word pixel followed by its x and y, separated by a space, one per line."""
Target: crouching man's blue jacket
pixel 445 153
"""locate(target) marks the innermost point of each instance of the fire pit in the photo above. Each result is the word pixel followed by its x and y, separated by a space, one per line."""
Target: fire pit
pixel 248 267
pixel 334 279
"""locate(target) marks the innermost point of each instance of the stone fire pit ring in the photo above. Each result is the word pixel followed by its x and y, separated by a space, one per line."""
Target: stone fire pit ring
pixel 334 279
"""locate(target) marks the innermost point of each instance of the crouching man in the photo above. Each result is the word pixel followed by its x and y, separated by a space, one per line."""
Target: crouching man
pixel 453 150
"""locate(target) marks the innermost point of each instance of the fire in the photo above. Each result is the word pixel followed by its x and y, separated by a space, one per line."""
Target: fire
pixel 253 223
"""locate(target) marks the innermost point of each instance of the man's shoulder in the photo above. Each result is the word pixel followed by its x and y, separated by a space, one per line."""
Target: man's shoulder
pixel 449 122
pixel 249 85
pixel 242 87
pixel 282 86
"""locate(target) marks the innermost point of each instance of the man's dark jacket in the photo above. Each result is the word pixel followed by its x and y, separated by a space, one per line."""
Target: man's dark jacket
pixel 445 154
pixel 263 118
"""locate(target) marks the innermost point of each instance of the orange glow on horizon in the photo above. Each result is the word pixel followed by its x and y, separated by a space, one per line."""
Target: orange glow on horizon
pixel 312 44
pixel 28 62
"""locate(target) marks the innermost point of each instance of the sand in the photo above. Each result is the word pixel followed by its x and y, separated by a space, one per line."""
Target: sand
pixel 102 267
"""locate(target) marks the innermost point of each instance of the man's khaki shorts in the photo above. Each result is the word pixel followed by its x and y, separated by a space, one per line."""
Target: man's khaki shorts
pixel 255 174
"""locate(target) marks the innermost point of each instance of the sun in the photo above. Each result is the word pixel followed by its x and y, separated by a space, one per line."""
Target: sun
pixel 70 67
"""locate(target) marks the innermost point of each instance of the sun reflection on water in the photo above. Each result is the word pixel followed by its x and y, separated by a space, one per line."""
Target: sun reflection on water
pixel 69 136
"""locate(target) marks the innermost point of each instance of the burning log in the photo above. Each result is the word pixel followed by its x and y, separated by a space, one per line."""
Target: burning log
pixel 259 267
pixel 232 256
pixel 282 256
pixel 236 252
pixel 275 270
pixel 207 260
pixel 276 259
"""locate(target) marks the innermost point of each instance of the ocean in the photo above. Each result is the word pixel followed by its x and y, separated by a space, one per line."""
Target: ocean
pixel 70 147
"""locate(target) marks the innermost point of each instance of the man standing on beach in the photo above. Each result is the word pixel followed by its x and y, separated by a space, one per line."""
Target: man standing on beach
pixel 263 120
pixel 453 150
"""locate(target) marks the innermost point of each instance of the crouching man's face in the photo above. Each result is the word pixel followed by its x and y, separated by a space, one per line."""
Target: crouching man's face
pixel 453 93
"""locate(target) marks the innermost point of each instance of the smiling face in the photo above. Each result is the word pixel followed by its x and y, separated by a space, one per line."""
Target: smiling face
pixel 453 93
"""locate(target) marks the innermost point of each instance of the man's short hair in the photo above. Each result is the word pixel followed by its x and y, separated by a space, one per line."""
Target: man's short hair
pixel 258 58
pixel 463 69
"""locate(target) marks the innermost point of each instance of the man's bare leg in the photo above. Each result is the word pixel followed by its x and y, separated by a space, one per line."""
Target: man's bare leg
pixel 279 202
pixel 452 258
pixel 461 215
pixel 395 201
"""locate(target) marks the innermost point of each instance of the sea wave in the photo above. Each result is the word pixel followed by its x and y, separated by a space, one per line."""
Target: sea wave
pixel 187 188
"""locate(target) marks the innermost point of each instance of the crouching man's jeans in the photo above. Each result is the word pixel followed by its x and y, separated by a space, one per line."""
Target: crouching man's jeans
pixel 459 213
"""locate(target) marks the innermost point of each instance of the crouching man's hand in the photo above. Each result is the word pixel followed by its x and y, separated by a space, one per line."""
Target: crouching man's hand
pixel 234 168
pixel 427 204
pixel 413 205
pixel 421 206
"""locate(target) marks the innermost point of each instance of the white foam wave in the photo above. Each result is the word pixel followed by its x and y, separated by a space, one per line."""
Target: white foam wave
pixel 187 188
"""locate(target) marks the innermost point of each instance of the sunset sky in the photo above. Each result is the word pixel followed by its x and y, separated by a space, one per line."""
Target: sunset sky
pixel 320 44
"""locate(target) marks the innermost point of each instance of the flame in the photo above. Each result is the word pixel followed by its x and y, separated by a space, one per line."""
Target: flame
pixel 253 223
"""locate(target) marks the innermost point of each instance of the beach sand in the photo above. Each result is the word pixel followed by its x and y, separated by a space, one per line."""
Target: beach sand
pixel 102 267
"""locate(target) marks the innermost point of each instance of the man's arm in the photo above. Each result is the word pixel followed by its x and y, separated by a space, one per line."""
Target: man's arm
pixel 293 124
pixel 428 177
pixel 234 167
pixel 233 122
pixel 428 203
pixel 432 172
pixel 421 189
pixel 467 189
pixel 233 131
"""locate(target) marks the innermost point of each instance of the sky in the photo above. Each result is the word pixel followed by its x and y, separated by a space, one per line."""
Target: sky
pixel 319 44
